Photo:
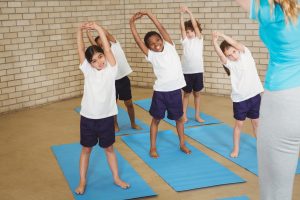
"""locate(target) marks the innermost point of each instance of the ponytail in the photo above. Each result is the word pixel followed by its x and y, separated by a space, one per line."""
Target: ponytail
pixel 226 70
pixel 290 9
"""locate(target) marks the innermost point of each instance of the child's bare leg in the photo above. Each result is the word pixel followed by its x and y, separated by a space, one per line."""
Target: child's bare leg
pixel 153 134
pixel 254 126
pixel 197 107
pixel 236 138
pixel 131 114
pixel 185 102
pixel 117 129
pixel 83 166
pixel 113 164
pixel 180 131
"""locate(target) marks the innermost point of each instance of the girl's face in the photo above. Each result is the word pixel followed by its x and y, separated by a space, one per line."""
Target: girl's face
pixel 156 43
pixel 98 61
pixel 232 54
pixel 190 34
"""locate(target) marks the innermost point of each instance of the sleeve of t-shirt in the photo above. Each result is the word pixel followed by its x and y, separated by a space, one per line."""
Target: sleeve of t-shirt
pixel 183 41
pixel 115 43
pixel 149 57
pixel 253 10
pixel 170 44
pixel 247 52
pixel 228 64
pixel 85 67
pixel 113 69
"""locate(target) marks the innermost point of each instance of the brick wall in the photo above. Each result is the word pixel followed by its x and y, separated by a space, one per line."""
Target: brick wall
pixel 38 56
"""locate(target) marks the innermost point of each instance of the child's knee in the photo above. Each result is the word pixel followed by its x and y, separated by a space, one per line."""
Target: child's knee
pixel 239 124
pixel 180 120
pixel 196 94
pixel 109 149
pixel 128 103
pixel 155 121
pixel 186 94
pixel 87 150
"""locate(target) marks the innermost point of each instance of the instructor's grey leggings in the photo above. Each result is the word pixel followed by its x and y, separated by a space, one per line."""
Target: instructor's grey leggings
pixel 278 143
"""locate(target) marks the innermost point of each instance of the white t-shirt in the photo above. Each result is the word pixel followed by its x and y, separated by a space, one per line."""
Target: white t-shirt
pixel 245 81
pixel 192 57
pixel 167 69
pixel 123 67
pixel 99 95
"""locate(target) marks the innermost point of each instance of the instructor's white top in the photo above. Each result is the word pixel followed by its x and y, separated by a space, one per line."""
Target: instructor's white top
pixel 99 96
pixel 245 81
pixel 167 69
pixel 123 66
pixel 192 58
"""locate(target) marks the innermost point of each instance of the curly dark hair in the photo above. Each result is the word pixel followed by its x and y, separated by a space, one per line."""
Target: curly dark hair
pixel 148 35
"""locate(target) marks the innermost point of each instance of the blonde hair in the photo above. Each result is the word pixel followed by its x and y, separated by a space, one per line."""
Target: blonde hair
pixel 289 7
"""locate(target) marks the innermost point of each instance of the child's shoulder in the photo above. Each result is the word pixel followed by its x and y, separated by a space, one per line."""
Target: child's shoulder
pixel 169 44
pixel 247 51
pixel 84 64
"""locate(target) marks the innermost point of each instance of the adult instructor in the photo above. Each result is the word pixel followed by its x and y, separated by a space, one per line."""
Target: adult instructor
pixel 278 138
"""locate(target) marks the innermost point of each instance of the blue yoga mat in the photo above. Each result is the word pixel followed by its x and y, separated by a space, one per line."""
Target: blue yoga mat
pixel 146 103
pixel 236 198
pixel 219 139
pixel 124 123
pixel 100 183
pixel 181 171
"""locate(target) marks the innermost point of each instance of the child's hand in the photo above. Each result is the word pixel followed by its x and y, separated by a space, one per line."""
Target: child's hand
pixel 215 36
pixel 136 16
pixel 82 26
pixel 144 12
pixel 92 26
pixel 183 9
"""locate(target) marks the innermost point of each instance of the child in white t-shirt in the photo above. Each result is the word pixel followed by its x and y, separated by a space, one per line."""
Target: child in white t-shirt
pixel 245 82
pixel 122 83
pixel 97 106
pixel 192 61
pixel 160 51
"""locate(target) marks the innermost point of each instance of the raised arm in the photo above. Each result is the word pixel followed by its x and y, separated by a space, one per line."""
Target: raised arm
pixel 80 43
pixel 91 38
pixel 182 28
pixel 215 37
pixel 135 34
pixel 194 23
pixel 233 42
pixel 245 4
pixel 159 27
pixel 109 36
pixel 105 44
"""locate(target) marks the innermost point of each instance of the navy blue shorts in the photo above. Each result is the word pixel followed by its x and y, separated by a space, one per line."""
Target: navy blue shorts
pixel 194 82
pixel 123 89
pixel 167 101
pixel 93 131
pixel 248 108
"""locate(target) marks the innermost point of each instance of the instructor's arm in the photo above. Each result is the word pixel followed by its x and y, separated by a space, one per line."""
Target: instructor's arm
pixel 245 4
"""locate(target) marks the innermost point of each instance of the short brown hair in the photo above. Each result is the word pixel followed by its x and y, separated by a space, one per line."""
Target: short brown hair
pixel 188 25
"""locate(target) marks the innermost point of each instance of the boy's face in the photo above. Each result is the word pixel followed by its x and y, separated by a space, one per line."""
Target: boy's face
pixel 156 43
pixel 190 34
pixel 232 54
pixel 98 61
